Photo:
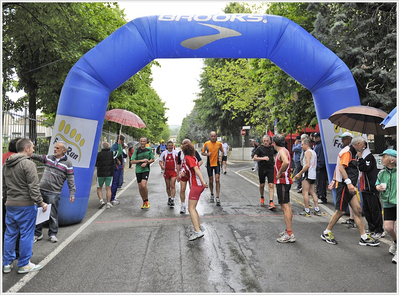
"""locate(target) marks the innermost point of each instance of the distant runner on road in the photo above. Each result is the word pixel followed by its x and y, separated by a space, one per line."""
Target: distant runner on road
pixel 211 149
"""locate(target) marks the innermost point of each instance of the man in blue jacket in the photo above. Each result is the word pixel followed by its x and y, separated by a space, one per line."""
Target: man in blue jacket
pixel 118 166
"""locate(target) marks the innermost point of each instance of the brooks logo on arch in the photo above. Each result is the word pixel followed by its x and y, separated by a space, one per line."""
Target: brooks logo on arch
pixel 198 42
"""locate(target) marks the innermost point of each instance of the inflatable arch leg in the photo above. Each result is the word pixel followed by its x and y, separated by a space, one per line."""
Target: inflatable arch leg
pixel 85 94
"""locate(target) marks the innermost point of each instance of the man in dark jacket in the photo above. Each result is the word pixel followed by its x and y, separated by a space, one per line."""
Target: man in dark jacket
pixel 105 172
pixel 321 175
pixel 371 197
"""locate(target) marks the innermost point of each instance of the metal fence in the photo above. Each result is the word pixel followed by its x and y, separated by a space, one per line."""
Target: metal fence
pixel 16 124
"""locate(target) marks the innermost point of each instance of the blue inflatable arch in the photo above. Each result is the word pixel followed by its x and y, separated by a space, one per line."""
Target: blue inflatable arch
pixel 85 94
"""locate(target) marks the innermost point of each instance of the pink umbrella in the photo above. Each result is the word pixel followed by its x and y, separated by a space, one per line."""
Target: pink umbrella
pixel 125 118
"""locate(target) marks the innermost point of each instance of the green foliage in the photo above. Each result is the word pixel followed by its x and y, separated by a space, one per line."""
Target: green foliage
pixel 363 35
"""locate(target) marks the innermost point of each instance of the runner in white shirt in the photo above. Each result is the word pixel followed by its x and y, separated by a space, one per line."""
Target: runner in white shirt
pixel 309 165
pixel 226 148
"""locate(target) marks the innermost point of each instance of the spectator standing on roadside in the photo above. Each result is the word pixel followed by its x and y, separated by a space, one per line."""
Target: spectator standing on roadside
pixel 118 148
pixel 142 158
pixel 21 191
pixel 264 155
pixel 371 197
pixel 105 172
pixel 386 184
pixel 321 175
pixel 122 175
pixel 183 179
pixel 254 144
pixel 297 150
pixel 283 181
pixel 12 149
pixel 58 169
pixel 345 178
pixel 211 149
pixel 226 149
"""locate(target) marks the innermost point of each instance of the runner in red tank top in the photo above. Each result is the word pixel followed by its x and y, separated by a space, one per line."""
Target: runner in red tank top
pixel 282 180
pixel 167 161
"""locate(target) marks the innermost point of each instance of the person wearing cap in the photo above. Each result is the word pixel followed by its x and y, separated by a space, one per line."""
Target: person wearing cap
pixel 161 148
pixel 371 201
pixel 321 170
pixel 346 177
pixel 346 139
pixel 386 185
pixel 226 148
pixel 297 150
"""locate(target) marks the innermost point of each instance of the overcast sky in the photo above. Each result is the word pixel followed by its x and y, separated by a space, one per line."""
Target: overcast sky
pixel 176 82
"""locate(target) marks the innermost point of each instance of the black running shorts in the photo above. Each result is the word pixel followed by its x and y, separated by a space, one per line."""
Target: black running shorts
pixel 283 193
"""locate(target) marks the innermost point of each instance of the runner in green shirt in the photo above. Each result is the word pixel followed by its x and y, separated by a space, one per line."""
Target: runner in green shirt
pixel 142 158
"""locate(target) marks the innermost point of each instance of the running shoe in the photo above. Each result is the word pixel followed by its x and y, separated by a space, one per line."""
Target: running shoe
pixel 286 238
pixel 262 202
pixel 7 268
pixel 392 248
pixel 217 201
pixel 147 205
pixel 37 238
pixel 182 209
pixel 348 221
pixel 29 267
pixel 329 238
pixel 376 236
pixel 102 204
pixel 202 228
pixel 53 239
pixel 172 203
pixel 143 206
pixel 196 235
pixel 369 242
pixel 115 202
pixel 394 259
pixel 225 172
pixel 212 199
pixel 317 212
pixel 169 201
pixel 306 214
pixel 109 206
pixel 271 206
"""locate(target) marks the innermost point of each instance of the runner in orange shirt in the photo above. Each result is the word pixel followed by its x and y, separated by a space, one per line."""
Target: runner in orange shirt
pixel 211 149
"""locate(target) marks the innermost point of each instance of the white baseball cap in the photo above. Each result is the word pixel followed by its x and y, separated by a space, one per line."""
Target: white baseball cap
pixel 346 134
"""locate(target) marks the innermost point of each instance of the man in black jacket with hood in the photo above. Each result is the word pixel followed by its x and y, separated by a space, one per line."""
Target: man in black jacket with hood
pixel 371 197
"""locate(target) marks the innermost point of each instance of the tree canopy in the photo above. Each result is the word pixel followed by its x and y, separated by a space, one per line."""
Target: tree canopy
pixel 43 40
pixel 237 92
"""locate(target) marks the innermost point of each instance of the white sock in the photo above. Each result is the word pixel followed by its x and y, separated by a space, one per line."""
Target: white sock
pixel 364 237
pixel 317 208
pixel 307 210
pixel 327 231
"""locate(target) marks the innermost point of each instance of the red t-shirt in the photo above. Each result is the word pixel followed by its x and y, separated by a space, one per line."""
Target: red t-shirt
pixel 189 163
pixel 169 160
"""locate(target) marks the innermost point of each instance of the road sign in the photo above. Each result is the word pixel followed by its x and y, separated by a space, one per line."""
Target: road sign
pixel 243 132
pixel 246 127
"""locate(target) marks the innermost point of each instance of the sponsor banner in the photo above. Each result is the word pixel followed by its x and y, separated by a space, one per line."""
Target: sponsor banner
pixel 79 134
pixel 332 140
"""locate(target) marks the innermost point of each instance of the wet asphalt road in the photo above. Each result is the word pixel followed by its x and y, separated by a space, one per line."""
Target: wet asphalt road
pixel 127 249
